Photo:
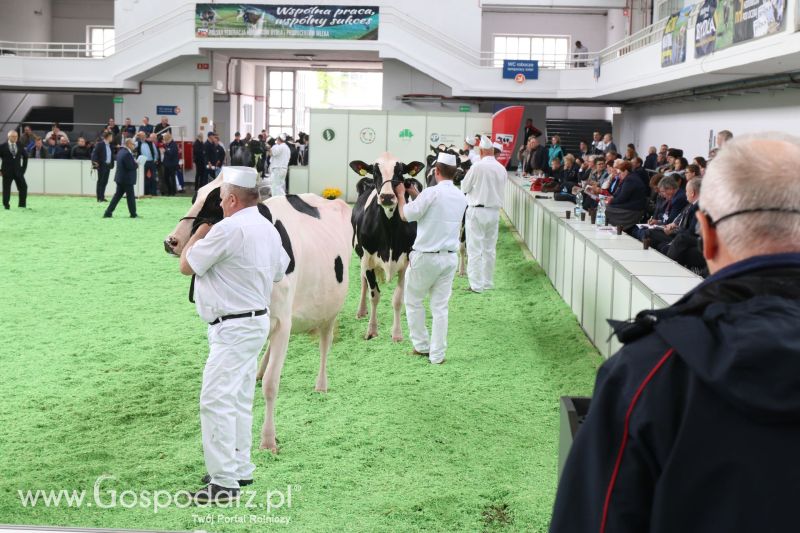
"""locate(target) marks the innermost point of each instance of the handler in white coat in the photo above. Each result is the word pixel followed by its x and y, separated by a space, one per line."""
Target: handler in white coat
pixel 438 212
pixel 484 185
pixel 472 149
pixel 279 165
pixel 235 263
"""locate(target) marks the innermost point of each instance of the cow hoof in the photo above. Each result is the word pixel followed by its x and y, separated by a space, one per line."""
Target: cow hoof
pixel 361 314
pixel 259 377
pixel 321 388
pixel 273 448
pixel 397 338
pixel 369 336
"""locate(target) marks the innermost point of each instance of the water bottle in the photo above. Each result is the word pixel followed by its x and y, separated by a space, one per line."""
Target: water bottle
pixel 519 169
pixel 578 205
pixel 601 212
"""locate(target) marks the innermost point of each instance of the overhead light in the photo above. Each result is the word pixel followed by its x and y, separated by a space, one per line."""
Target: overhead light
pixel 319 64
pixel 307 57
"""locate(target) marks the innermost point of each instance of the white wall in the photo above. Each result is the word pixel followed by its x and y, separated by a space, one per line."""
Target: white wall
pixel 20 22
pixel 590 30
pixel 687 125
pixel 70 18
pixel 400 79
pixel 577 112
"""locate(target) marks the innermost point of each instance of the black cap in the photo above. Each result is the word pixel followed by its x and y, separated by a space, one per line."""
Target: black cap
pixel 237 134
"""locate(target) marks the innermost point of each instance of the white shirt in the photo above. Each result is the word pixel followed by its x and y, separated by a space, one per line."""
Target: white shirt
pixel 438 212
pixel 236 264
pixel 280 156
pixel 474 156
pixel 485 183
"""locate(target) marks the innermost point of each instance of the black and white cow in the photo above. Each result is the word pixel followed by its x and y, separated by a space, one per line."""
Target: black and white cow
pixel 317 235
pixel 208 18
pixel 252 18
pixel 381 238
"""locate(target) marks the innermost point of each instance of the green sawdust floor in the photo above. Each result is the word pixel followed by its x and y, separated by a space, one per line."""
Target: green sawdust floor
pixel 101 361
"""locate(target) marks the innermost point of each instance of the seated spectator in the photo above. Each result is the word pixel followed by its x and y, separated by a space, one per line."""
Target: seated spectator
pixel 723 137
pixel 652 200
pixel 565 177
pixel 598 146
pixel 627 206
pixel 584 151
pixel 611 184
pixel 639 171
pixel 712 153
pixel 600 174
pixel 586 168
pixel 661 237
pixel 651 161
pixel 692 172
pixel 128 129
pixel 536 158
pixel 56 133
pixel 611 156
pixel 62 150
pixel 81 150
pixel 671 202
pixel 700 161
pixel 630 153
pixel 571 169
pixel 50 146
pixel 112 125
pixel 608 141
pixel 678 171
pixel 146 127
pixel 162 128
pixel 661 160
pixel 555 151
pixel 38 150
pixel 27 138
pixel 672 155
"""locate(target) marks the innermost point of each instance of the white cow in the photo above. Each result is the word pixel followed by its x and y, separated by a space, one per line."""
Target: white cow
pixel 317 235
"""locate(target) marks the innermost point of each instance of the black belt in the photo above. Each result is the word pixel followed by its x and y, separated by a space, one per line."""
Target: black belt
pixel 239 315
pixel 481 205
pixel 436 252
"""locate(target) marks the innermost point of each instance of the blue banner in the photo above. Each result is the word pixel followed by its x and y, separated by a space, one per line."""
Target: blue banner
pixel 513 67
pixel 167 110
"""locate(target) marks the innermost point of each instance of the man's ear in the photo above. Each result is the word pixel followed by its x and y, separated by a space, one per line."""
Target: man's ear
pixel 709 236
pixel 360 168
pixel 413 168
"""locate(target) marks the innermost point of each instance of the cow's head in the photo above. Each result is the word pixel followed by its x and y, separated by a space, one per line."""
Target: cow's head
pixel 464 164
pixel 201 210
pixel 387 172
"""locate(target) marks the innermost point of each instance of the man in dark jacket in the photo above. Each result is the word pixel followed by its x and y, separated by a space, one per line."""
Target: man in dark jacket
pixel 170 162
pixel 199 160
pixel 686 221
pixel 210 155
pixel 694 426
pixel 13 167
pixel 537 157
pixel 103 162
pixel 125 177
pixel 651 161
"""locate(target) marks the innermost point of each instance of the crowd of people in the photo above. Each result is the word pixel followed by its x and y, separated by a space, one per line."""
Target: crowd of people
pixel 652 199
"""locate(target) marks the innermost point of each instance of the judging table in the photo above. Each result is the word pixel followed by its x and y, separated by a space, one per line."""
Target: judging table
pixel 598 273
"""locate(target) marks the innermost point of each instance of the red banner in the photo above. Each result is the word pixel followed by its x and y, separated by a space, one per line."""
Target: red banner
pixel 505 127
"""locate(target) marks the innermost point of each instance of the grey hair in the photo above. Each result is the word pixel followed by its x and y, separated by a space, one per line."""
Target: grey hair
pixel 694 185
pixel 247 195
pixel 130 143
pixel 750 172
pixel 668 182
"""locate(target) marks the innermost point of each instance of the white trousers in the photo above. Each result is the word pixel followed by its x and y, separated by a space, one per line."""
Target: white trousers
pixel 429 274
pixel 481 226
pixel 278 180
pixel 226 399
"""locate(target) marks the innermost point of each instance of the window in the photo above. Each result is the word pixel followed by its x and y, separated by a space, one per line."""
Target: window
pixel 99 41
pixel 280 117
pixel 552 51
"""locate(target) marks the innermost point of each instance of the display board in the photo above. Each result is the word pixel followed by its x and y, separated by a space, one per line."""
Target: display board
pixel 341 136
pixel 723 23
pixel 673 43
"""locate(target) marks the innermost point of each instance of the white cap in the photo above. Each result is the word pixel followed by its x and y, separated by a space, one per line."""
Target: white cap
pixel 497 146
pixel 470 141
pixel 446 159
pixel 486 143
pixel 241 176
pixel 282 136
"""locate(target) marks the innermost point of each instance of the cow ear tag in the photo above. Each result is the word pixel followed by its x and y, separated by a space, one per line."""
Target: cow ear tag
pixel 362 172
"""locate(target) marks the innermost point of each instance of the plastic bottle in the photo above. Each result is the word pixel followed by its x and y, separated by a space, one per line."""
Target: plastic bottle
pixel 601 212
pixel 519 169
pixel 578 204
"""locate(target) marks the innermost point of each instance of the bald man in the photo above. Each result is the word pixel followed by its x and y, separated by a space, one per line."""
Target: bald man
pixel 14 164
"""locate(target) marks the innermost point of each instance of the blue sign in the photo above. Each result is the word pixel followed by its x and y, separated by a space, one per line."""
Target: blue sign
pixel 512 67
pixel 167 110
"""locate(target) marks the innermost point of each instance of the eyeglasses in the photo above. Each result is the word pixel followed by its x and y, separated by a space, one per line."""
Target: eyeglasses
pixel 713 223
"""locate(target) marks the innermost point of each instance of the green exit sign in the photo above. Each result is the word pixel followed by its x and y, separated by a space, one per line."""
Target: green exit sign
pixel 118 100
pixel 465 108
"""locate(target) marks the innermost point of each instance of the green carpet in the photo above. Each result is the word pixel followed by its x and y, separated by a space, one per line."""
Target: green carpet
pixel 101 361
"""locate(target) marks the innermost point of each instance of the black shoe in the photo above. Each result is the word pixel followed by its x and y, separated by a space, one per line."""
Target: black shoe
pixel 106 215
pixel 102 200
pixel 7 206
pixel 242 482
pixel 135 216
pixel 215 494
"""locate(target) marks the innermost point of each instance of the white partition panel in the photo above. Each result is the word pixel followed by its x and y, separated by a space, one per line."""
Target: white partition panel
pixel 34 176
pixel 328 163
pixel 298 181
pixel 62 176
pixel 599 274
pixel 366 141
pixel 478 124
pixel 446 128
pixel 405 137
